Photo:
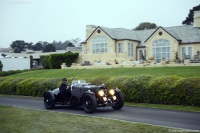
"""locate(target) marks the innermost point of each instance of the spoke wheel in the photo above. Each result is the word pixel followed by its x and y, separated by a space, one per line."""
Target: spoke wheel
pixel 120 101
pixel 48 101
pixel 89 103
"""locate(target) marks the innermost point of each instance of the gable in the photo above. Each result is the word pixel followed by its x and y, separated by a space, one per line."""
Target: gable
pixel 160 33
pixel 98 30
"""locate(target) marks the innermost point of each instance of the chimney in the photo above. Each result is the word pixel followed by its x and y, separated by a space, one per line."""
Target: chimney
pixel 197 19
pixel 90 29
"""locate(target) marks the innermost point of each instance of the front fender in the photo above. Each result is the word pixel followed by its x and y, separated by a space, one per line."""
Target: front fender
pixel 51 94
pixel 89 92
pixel 117 90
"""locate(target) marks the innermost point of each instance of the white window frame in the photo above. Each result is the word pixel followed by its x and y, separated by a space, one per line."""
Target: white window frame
pixel 130 50
pixel 187 52
pixel 99 45
pixel 161 49
pixel 120 48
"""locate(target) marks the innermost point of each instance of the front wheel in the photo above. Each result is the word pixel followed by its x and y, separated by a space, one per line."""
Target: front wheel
pixel 89 103
pixel 49 101
pixel 120 101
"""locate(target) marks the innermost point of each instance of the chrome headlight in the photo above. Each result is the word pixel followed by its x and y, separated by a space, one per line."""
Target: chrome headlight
pixel 101 93
pixel 105 98
pixel 112 92
pixel 114 97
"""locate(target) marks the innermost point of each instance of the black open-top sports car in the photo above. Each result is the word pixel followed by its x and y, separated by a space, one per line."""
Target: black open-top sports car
pixel 87 95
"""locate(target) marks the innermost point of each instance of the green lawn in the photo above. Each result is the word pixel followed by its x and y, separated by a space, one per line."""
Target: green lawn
pixel 184 71
pixel 15 120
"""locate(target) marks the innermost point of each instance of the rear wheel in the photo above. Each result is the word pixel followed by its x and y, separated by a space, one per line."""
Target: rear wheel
pixel 120 101
pixel 89 103
pixel 49 101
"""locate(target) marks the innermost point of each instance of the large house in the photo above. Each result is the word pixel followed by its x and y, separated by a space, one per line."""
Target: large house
pixel 115 45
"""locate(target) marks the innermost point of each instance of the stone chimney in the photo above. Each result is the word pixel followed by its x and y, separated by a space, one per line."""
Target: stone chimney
pixel 90 29
pixel 197 18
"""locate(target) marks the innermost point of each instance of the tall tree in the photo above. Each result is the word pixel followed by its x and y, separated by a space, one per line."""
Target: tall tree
pixel 189 19
pixel 29 46
pixel 18 46
pixel 76 42
pixel 146 25
pixel 49 48
pixel 38 46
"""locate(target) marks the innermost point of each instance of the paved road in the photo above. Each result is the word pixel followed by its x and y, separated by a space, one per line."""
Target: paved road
pixel 178 119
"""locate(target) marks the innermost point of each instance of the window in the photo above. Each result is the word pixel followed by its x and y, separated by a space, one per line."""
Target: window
pixel 186 51
pixel 141 54
pixel 130 49
pixel 161 49
pixel 99 45
pixel 120 48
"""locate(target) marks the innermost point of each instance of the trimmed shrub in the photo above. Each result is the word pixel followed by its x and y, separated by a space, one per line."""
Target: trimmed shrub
pixel 45 61
pixel 55 60
pixel 3 85
pixel 139 89
pixel 162 90
pixel 47 84
pixel 97 81
pixel 188 91
pixel 12 86
pixel 23 87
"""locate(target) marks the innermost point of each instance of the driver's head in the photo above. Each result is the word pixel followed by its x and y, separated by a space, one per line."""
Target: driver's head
pixel 64 80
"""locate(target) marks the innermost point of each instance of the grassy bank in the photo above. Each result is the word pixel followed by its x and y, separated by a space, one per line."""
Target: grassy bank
pixel 184 71
pixel 32 121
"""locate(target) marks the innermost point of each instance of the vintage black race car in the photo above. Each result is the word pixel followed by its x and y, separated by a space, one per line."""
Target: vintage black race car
pixel 87 95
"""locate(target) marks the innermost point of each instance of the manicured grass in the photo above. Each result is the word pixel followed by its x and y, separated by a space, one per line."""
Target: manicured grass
pixel 184 71
pixel 15 120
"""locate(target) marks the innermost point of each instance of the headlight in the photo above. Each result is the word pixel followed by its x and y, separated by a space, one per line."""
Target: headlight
pixel 105 98
pixel 101 93
pixel 114 97
pixel 112 92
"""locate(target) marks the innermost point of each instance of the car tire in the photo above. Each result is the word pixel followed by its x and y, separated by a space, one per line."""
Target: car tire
pixel 120 101
pixel 49 101
pixel 89 103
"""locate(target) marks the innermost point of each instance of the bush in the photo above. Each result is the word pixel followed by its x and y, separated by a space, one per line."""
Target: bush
pixel 135 89
pixel 162 90
pixel 55 60
pixel 23 87
pixel 188 91
pixel 11 72
pixel 139 89
pixel 45 61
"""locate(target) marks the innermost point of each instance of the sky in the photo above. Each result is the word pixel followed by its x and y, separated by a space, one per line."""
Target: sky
pixel 61 20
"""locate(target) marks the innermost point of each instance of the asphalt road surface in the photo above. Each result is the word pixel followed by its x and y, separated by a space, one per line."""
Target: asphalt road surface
pixel 177 119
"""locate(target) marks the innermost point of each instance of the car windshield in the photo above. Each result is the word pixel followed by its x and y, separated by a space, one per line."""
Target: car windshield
pixel 79 82
pixel 83 82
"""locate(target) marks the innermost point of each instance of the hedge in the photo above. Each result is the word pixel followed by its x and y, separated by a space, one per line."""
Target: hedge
pixel 171 90
pixel 55 60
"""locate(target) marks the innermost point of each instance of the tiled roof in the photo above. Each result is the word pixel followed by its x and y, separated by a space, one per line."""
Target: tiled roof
pixel 184 33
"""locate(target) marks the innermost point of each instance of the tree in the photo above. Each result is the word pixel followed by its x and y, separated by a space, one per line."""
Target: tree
pixel 18 46
pixel 189 19
pixel 76 42
pixel 49 48
pixel 38 46
pixel 146 25
pixel 29 46
pixel 1 65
